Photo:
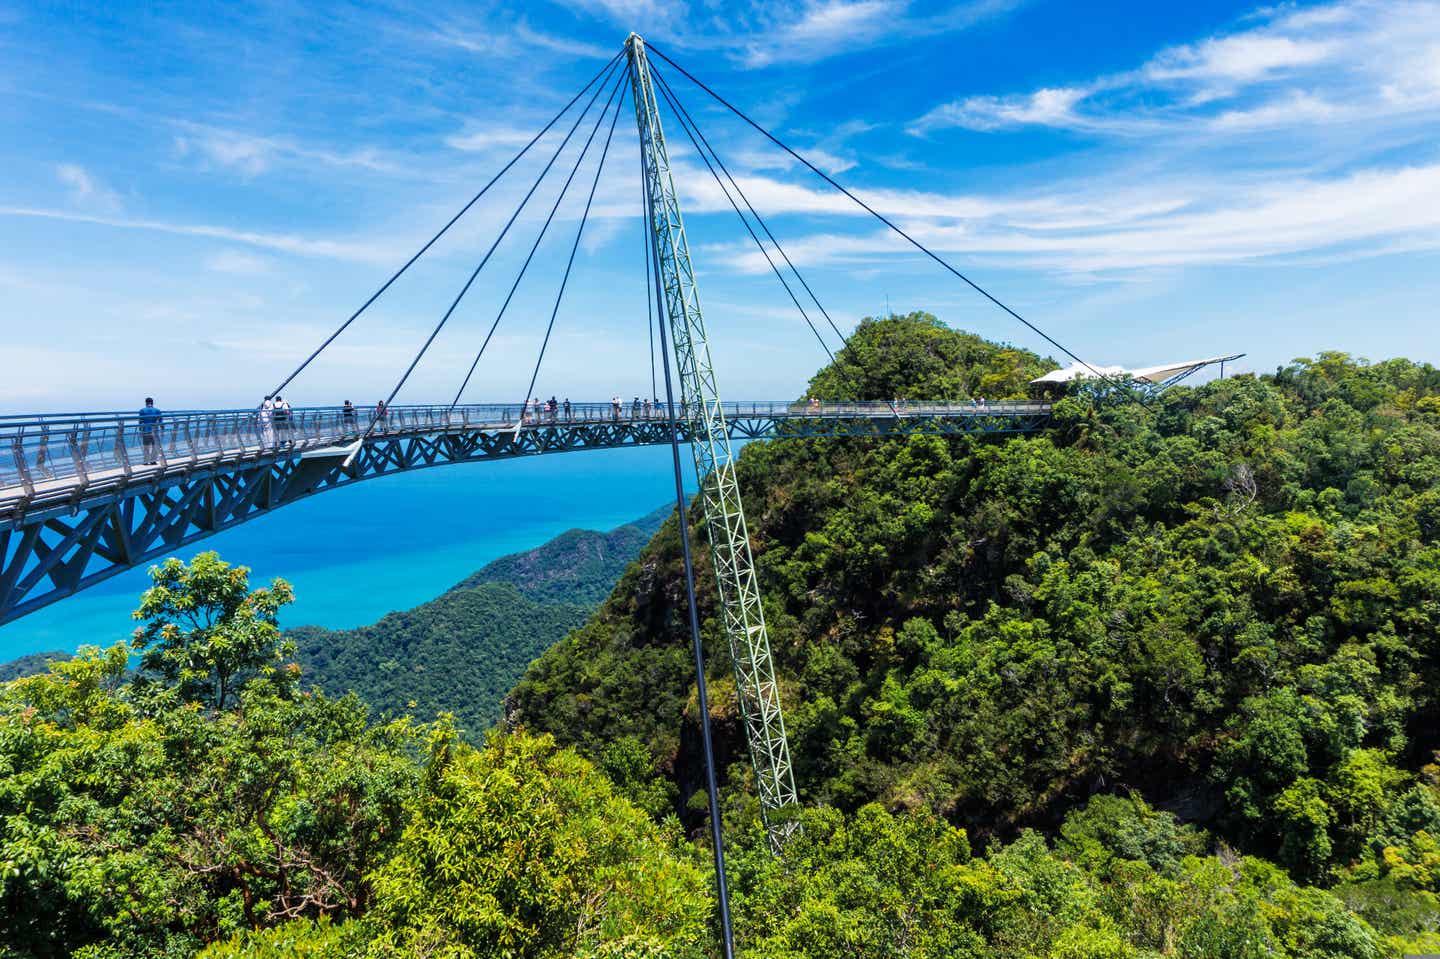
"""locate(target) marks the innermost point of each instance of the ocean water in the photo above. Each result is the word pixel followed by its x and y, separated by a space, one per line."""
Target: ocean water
pixel 356 553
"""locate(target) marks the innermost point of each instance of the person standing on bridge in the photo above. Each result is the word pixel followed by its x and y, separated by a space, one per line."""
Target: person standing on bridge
pixel 381 412
pixel 347 417
pixel 283 431
pixel 265 419
pixel 150 421
pixel 567 409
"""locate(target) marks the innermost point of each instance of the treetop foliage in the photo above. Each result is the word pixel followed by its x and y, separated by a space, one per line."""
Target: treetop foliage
pixel 203 630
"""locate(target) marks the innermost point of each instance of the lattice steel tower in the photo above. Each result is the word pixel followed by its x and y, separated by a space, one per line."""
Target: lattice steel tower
pixel 724 517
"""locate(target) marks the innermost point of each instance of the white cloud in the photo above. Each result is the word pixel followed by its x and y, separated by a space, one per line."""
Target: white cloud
pixel 1343 217
pixel 359 251
pixel 1050 106
pixel 1244 58
pixel 518 39
pixel 759 33
pixel 87 191
pixel 252 154
pixel 1298 108
pixel 821 30
pixel 480 139
pixel 637 12
pixel 1378 58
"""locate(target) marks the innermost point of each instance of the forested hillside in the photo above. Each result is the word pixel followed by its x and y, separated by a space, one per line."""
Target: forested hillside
pixel 30 664
pixel 1225 598
pixel 464 650
pixel 206 806
pixel 578 566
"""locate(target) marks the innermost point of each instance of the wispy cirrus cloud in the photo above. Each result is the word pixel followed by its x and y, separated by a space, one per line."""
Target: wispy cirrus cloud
pixel 760 34
pixel 87 191
pixel 1197 223
pixel 253 154
pixel 1274 141
pixel 514 39
pixel 364 251
pixel 479 139
pixel 1352 60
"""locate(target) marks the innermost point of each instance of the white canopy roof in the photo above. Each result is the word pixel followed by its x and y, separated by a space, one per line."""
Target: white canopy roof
pixel 1143 374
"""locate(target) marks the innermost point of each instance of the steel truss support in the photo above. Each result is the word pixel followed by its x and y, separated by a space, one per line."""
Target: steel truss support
pixel 739 588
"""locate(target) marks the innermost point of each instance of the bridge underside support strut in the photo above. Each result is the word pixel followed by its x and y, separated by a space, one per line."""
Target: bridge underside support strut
pixel 739 589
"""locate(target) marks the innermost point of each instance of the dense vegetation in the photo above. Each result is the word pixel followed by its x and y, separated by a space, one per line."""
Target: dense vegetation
pixel 1226 598
pixel 460 653
pixel 578 566
pixel 464 650
pixel 1156 684
pixel 146 814
pixel 30 664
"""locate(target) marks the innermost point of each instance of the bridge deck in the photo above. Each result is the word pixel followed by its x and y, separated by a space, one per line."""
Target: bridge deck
pixel 51 459
pixel 83 497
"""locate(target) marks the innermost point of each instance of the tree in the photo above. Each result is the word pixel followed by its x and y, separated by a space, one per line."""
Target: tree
pixel 142 826
pixel 524 850
pixel 205 631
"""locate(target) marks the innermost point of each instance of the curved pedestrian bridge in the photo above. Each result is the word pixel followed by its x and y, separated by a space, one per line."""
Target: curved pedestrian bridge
pixel 85 496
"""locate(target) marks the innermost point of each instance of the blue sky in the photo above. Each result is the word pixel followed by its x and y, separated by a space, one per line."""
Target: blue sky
pixel 193 195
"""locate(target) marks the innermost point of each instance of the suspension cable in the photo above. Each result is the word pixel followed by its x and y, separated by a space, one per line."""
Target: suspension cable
pixel 650 321
pixel 445 229
pixel 684 114
pixel 579 232
pixel 736 207
pixel 536 245
pixel 486 258
pixel 651 315
pixel 882 218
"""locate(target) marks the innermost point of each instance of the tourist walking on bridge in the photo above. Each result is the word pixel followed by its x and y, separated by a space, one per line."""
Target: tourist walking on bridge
pixel 283 431
pixel 265 419
pixel 150 422
pixel 381 412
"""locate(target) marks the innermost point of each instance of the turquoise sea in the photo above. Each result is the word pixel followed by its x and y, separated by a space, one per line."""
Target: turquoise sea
pixel 357 553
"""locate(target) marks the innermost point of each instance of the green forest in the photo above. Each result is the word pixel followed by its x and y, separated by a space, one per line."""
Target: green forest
pixel 464 650
pixel 1157 682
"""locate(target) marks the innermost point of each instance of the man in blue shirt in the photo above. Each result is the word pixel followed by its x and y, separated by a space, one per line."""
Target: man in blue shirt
pixel 150 420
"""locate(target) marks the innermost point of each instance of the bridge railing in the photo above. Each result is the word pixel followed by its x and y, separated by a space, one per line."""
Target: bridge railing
pixel 49 452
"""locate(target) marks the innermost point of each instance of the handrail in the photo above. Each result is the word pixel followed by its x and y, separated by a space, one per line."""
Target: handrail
pixel 45 452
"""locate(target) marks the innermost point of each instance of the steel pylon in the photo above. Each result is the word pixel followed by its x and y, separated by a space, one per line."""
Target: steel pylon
pixel 734 567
